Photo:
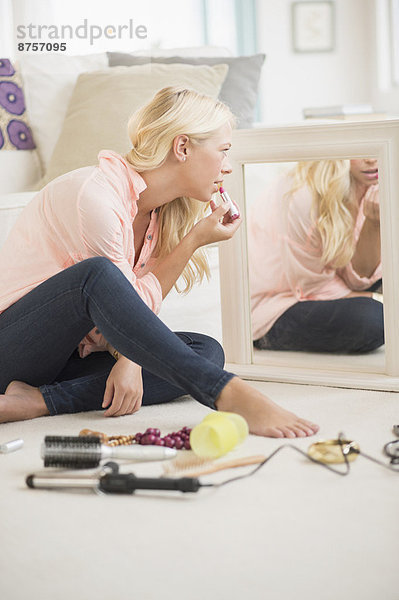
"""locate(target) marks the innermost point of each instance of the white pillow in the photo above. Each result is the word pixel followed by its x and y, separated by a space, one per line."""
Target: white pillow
pixel 19 170
pixel 48 81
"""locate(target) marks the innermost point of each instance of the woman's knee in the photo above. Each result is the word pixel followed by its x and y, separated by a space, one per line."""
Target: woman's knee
pixel 205 346
pixel 343 326
pixel 90 269
pixel 96 264
pixel 360 329
pixel 214 351
pixel 368 326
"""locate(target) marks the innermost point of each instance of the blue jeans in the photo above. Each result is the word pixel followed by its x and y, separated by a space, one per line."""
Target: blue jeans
pixel 347 325
pixel 40 332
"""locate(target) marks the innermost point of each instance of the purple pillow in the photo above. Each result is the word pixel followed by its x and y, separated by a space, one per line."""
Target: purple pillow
pixel 15 133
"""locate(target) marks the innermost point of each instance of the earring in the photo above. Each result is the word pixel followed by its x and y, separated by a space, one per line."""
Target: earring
pixel 184 158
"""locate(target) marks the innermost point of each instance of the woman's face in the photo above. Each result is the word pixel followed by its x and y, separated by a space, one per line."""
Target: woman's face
pixel 207 164
pixel 364 171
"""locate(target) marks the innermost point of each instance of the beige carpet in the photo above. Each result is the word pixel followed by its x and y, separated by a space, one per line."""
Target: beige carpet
pixel 292 531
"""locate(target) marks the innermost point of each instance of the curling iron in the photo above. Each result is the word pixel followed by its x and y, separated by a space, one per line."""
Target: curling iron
pixel 110 481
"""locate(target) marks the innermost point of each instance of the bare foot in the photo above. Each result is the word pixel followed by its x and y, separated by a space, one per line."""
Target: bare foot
pixel 20 402
pixel 263 416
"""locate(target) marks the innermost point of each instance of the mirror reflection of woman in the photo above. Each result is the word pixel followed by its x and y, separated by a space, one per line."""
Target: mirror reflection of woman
pixel 315 259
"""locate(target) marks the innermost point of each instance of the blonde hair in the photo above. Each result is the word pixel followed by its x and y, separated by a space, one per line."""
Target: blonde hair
pixel 330 184
pixel 174 111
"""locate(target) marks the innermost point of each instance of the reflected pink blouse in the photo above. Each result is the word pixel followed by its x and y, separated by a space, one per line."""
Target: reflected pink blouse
pixel 85 213
pixel 285 263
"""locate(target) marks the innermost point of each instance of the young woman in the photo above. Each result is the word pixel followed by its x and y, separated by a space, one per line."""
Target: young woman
pixel 90 260
pixel 314 250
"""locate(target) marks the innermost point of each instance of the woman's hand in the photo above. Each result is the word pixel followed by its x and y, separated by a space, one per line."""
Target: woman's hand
pixel 216 227
pixel 124 389
pixel 367 255
pixel 371 204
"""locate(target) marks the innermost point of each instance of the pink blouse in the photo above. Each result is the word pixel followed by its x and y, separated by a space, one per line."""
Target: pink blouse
pixel 85 213
pixel 285 263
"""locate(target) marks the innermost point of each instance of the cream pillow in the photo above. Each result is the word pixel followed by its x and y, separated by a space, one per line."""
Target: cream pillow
pixel 102 102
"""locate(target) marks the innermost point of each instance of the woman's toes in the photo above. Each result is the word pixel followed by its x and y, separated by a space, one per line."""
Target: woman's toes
pixel 299 431
pixel 312 426
pixel 275 432
pixel 310 431
pixel 308 427
pixel 288 432
pixel 304 430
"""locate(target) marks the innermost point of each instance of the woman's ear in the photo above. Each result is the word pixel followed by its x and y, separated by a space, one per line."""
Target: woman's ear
pixel 180 147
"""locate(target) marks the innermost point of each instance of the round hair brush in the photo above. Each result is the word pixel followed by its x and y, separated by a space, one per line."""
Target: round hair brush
pixel 86 452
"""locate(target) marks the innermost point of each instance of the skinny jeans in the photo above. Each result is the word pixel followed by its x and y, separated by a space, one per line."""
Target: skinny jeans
pixel 40 333
pixel 344 326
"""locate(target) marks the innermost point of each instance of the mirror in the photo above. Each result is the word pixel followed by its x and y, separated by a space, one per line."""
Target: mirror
pixel 262 156
pixel 314 262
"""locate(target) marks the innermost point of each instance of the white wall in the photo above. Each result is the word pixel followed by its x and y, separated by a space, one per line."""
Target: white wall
pixel 175 23
pixel 291 81
pixel 6 31
pixel 385 93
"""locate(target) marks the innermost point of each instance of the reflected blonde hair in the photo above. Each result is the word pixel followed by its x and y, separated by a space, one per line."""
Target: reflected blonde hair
pixel 174 111
pixel 330 184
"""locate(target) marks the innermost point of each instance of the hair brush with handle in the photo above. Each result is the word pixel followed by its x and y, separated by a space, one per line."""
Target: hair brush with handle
pixel 84 452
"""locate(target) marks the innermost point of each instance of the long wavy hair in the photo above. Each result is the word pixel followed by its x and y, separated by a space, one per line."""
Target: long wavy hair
pixel 331 186
pixel 174 111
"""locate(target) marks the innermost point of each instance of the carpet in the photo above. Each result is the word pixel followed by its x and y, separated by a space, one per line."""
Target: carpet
pixel 291 531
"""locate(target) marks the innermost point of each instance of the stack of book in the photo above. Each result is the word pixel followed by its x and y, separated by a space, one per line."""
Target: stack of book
pixel 352 112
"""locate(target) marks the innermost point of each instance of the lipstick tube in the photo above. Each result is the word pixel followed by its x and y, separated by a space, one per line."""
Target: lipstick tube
pixel 234 213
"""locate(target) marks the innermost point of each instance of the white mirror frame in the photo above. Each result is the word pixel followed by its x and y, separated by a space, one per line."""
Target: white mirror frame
pixel 311 141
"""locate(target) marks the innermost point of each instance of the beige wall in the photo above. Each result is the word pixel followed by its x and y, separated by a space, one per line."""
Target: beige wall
pixel 292 81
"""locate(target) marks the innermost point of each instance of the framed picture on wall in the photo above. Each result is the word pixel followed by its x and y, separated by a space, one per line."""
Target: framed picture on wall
pixel 313 26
